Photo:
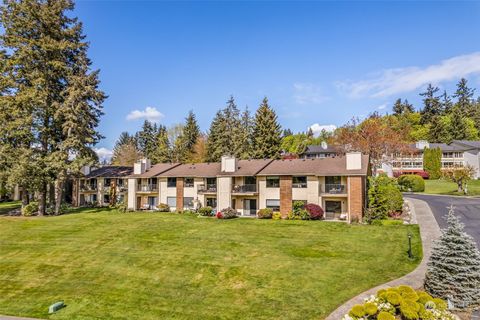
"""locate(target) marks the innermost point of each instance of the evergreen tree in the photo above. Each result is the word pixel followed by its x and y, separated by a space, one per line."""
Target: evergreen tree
pixel 432 162
pixel 162 153
pixel 266 132
pixel 184 144
pixel 147 138
pixel 287 132
pixel 124 138
pixel 439 129
pixel 458 127
pixel 453 271
pixel 126 154
pixel 224 134
pixel 447 104
pixel 431 104
pixel 52 83
pixel 245 135
pixel 400 108
pixel 464 96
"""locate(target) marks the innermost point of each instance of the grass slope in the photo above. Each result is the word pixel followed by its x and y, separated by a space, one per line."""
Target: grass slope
pixel 5 207
pixel 450 188
pixel 108 265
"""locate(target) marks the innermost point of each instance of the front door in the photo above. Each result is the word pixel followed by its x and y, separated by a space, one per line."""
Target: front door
pixel 139 203
pixel 250 206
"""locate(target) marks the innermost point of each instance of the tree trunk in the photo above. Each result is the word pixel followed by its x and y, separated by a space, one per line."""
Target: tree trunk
pixel 25 199
pixel 460 186
pixel 58 195
pixel 51 194
pixel 42 199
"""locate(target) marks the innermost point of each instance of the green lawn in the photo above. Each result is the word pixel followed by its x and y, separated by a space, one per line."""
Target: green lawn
pixel 450 188
pixel 110 265
pixel 5 207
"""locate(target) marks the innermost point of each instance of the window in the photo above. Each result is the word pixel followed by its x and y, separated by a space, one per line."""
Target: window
pixel 273 182
pixel 106 198
pixel 250 180
pixel 212 181
pixel 94 198
pixel 107 182
pixel 120 182
pixel 152 201
pixel 172 202
pixel 188 183
pixel 188 202
pixel 212 202
pixel 171 182
pixel 299 182
pixel 273 204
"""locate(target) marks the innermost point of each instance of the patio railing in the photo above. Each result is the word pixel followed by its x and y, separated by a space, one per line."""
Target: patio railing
pixel 147 187
pixel 244 188
pixel 334 188
pixel 207 188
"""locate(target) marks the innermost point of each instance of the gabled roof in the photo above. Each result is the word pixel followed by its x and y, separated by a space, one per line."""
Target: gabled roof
pixel 316 149
pixel 110 172
pixel 156 170
pixel 205 169
pixel 248 167
pixel 318 167
pixel 468 143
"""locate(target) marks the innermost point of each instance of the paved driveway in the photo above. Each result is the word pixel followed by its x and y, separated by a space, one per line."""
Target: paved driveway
pixel 468 209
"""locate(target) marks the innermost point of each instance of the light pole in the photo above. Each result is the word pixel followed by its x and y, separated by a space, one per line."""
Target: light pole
pixel 410 254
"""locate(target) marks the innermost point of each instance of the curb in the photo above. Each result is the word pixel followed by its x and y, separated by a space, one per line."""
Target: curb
pixel 440 195
pixel 429 232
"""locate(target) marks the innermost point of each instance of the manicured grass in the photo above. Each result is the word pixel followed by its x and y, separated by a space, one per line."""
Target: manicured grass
pixel 5 207
pixel 110 265
pixel 450 188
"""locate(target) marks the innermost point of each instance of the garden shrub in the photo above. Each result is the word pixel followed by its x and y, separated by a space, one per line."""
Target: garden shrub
pixel 266 213
pixel 121 207
pixel 315 211
pixel 228 213
pixel 276 216
pixel 402 302
pixel 163 207
pixel 30 209
pixel 299 212
pixel 384 198
pixel 432 162
pixel 206 211
pixel 411 182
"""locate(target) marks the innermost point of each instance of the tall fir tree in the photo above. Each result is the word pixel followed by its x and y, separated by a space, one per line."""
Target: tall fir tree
pixel 446 101
pixel 163 152
pixel 147 138
pixel 464 95
pixel 267 132
pixel 458 126
pixel 245 135
pixel 186 141
pixel 401 108
pixel 53 82
pixel 431 105
pixel 453 270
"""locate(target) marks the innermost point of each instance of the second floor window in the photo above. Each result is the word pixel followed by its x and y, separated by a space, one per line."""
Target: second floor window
pixel 273 182
pixel 188 183
pixel 171 182
pixel 299 182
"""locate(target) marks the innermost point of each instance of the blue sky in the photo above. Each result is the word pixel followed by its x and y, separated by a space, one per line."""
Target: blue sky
pixel 317 62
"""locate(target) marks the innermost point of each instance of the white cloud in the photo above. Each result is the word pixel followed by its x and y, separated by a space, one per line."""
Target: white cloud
pixel 382 106
pixel 317 128
pixel 104 154
pixel 308 93
pixel 150 113
pixel 393 81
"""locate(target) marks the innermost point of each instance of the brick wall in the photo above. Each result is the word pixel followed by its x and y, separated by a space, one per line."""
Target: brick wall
pixel 356 197
pixel 180 184
pixel 285 195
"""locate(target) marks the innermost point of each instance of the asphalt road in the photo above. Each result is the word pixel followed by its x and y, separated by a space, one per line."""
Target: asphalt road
pixel 468 210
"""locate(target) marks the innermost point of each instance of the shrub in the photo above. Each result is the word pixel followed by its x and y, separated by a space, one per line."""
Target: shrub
pixel 206 211
pixel 384 198
pixel 401 302
pixel 276 216
pixel 432 162
pixel 266 213
pixel 188 211
pixel 163 207
pixel 122 207
pixel 411 182
pixel 30 209
pixel 228 213
pixel 315 211
pixel 298 212
pixel 219 215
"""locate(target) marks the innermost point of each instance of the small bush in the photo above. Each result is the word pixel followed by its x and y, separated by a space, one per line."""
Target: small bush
pixel 163 207
pixel 228 213
pixel 266 213
pixel 30 209
pixel 206 211
pixel 277 216
pixel 122 207
pixel 411 182
pixel 357 311
pixel 315 211
pixel 385 316
pixel 219 215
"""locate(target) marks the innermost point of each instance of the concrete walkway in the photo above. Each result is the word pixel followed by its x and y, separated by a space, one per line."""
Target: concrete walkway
pixel 429 232
pixel 15 318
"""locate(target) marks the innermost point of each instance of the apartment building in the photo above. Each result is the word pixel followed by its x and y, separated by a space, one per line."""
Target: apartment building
pixel 336 184
pixel 98 185
pixel 456 154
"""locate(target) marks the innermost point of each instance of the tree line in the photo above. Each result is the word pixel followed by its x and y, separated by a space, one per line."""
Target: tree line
pixel 232 132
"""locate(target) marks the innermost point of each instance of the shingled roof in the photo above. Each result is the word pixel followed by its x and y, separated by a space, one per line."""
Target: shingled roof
pixel 156 170
pixel 110 172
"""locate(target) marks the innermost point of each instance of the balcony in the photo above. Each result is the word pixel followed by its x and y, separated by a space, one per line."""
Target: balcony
pixel 209 188
pixel 334 189
pixel 88 188
pixel 147 188
pixel 245 188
